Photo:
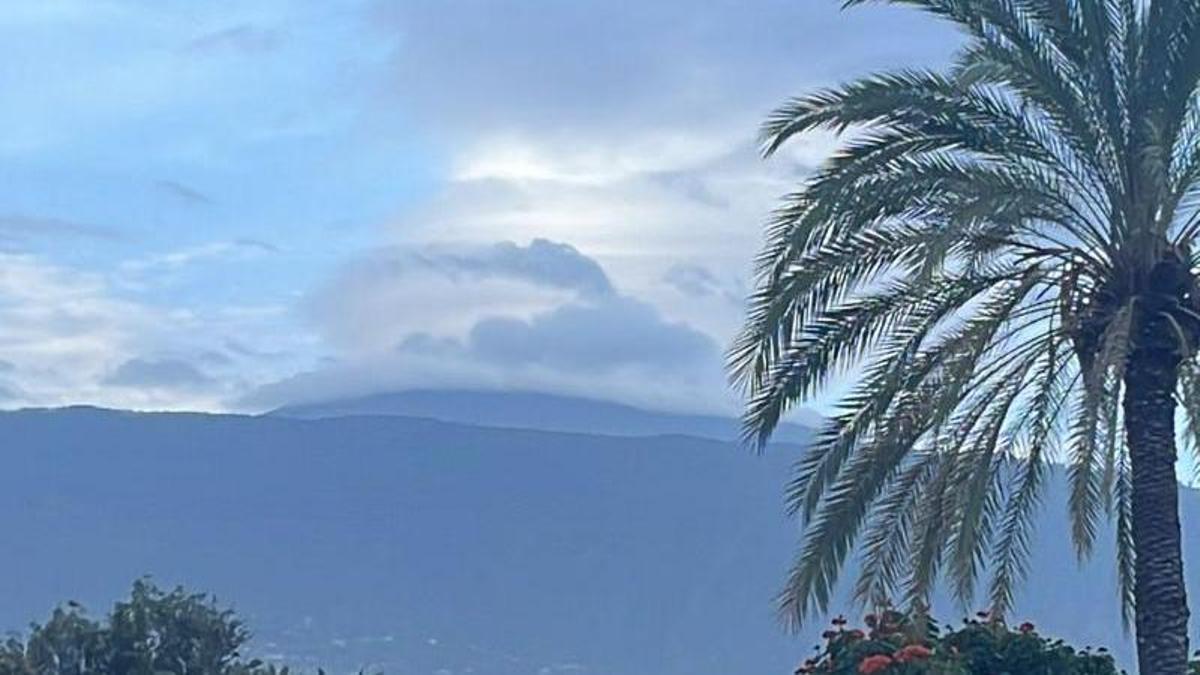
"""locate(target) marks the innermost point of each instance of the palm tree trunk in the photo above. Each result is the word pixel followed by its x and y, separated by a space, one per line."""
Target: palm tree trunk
pixel 1159 593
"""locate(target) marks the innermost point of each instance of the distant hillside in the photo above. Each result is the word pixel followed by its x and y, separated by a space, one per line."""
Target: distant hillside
pixel 534 411
pixel 414 544
pixel 426 546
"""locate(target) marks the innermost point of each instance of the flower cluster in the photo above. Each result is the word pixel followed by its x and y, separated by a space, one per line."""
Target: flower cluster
pixel 897 643
pixel 891 639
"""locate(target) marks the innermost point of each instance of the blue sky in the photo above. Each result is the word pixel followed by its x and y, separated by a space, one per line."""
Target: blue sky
pixel 232 205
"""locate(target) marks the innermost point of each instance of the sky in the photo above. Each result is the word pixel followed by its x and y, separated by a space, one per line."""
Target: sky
pixel 230 205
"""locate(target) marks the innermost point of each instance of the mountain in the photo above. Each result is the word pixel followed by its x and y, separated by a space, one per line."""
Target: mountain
pixel 528 410
pixel 414 544
pixel 425 546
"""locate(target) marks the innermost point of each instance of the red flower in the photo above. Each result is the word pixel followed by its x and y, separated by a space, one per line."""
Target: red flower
pixel 855 634
pixel 913 653
pixel 874 664
pixel 1026 627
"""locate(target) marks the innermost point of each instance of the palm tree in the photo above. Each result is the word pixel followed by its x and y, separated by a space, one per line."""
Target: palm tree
pixel 1003 254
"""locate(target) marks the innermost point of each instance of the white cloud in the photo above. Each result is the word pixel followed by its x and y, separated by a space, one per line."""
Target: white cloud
pixel 240 249
pixel 68 336
pixel 519 159
pixel 638 212
pixel 61 329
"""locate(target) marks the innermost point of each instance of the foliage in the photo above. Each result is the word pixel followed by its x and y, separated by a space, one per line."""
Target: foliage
pixel 989 250
pixel 897 644
pixel 154 632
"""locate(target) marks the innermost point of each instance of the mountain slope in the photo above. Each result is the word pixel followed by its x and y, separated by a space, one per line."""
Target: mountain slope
pixel 409 543
pixel 424 546
pixel 528 410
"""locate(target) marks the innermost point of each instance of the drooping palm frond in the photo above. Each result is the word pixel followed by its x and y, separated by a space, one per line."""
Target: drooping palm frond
pixel 973 256
pixel 1036 434
pixel 1189 393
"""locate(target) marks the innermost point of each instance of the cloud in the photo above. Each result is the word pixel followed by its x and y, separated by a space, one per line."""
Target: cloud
pixel 474 64
pixel 261 245
pixel 611 334
pixel 541 262
pixel 593 340
pixel 70 336
pixel 183 193
pixel 60 328
pixel 166 373
pixel 21 227
pixel 640 205
pixel 243 350
pixel 244 38
pixel 424 361
pixel 634 140
pixel 385 295
pixel 238 249
pixel 693 280
pixel 621 160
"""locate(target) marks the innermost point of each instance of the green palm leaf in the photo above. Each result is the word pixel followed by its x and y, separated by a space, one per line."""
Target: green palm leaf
pixel 995 253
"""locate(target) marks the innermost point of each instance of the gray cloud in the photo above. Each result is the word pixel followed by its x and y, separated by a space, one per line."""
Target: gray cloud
pixel 616 348
pixel 184 193
pixel 614 333
pixel 693 280
pixel 595 341
pixel 245 350
pixel 165 373
pixel 696 281
pixel 385 295
pixel 542 262
pixel 215 358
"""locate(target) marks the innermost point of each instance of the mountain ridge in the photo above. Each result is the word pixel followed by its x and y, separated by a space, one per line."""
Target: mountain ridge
pixel 422 545
pixel 529 409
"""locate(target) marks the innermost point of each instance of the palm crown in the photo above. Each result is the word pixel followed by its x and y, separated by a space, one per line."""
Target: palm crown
pixel 1004 253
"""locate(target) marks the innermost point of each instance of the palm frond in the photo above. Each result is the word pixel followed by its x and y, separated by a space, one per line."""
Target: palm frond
pixel 980 252
pixel 1096 397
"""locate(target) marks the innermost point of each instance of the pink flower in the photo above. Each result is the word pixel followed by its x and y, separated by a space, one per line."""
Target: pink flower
pixel 913 653
pixel 874 664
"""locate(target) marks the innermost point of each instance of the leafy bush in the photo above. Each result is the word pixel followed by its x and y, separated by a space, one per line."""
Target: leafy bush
pixel 154 632
pixel 897 644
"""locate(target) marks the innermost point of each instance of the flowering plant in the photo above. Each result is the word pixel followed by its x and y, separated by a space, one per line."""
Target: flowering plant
pixel 895 643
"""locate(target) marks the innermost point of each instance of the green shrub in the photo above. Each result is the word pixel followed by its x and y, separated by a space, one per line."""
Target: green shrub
pixel 154 632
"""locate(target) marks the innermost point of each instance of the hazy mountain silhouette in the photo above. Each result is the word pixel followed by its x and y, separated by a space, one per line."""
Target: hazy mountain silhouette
pixel 426 546
pixel 529 410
